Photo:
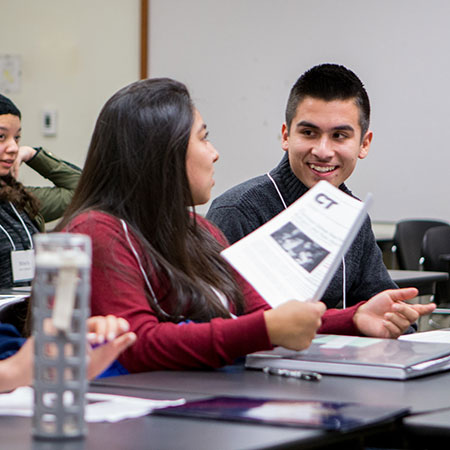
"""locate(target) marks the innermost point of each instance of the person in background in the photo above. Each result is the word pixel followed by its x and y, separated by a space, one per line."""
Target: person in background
pixel 109 334
pixel 157 263
pixel 326 131
pixel 24 210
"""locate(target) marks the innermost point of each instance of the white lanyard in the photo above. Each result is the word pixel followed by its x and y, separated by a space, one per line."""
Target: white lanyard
pixel 221 297
pixel 9 237
pixel 24 226
pixel 147 281
pixel 344 289
pixel 278 191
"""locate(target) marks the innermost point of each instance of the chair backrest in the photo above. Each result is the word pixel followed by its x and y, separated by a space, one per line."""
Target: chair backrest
pixel 436 243
pixel 408 238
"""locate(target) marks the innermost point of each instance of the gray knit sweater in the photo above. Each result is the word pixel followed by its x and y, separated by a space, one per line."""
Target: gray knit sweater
pixel 249 205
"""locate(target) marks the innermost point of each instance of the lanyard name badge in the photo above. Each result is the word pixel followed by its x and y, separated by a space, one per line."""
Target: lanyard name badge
pixel 22 261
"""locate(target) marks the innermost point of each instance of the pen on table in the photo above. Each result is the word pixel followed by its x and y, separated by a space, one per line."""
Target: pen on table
pixel 308 376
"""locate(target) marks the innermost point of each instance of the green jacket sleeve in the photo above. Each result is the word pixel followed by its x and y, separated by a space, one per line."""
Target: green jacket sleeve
pixel 54 200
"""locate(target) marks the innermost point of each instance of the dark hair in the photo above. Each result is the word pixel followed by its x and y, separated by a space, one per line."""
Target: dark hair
pixel 330 82
pixel 15 192
pixel 12 190
pixel 8 107
pixel 136 170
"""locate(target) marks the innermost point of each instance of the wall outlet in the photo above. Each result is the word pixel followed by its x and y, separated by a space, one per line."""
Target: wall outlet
pixel 49 122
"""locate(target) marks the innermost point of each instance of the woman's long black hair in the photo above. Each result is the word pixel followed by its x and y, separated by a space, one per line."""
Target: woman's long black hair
pixel 15 192
pixel 136 170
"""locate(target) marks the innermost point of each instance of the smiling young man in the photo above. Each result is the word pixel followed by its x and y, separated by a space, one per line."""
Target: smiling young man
pixel 325 133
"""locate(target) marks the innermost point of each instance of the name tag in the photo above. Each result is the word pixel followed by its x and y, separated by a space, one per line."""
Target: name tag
pixel 22 262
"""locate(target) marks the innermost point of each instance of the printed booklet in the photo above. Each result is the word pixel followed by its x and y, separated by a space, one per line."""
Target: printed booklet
pixel 336 416
pixel 359 357
pixel 295 255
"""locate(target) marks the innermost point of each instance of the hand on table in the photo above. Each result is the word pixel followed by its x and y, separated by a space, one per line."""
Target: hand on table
pixel 113 337
pixel 110 333
pixel 386 315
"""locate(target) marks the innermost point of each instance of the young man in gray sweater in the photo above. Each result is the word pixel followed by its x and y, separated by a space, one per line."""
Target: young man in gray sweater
pixel 325 133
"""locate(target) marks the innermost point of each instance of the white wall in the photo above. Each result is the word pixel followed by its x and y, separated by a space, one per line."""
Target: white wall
pixel 75 55
pixel 240 58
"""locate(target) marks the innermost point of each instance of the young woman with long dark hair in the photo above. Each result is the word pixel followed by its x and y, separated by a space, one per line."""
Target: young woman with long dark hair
pixel 23 212
pixel 156 262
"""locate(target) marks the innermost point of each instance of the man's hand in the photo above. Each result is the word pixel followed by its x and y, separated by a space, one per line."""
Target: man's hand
pixel 386 315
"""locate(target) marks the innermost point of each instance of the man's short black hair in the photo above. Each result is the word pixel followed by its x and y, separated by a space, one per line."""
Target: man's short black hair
pixel 329 82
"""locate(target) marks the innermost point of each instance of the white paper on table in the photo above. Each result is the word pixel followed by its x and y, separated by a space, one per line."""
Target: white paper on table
pixel 99 407
pixel 17 403
pixel 434 336
pixel 112 408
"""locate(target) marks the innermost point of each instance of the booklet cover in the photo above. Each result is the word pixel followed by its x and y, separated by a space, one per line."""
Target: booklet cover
pixel 358 356
pixel 335 416
pixel 295 255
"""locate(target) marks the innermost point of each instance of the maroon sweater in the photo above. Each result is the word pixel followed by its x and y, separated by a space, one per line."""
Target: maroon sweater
pixel 166 345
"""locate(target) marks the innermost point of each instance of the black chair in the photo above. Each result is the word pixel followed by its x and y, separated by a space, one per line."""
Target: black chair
pixel 408 239
pixel 436 257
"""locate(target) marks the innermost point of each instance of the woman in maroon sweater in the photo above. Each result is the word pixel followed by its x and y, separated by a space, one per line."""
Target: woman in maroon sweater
pixel 157 264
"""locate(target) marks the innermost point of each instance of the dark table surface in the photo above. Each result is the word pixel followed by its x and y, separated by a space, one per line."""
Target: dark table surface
pixel 422 395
